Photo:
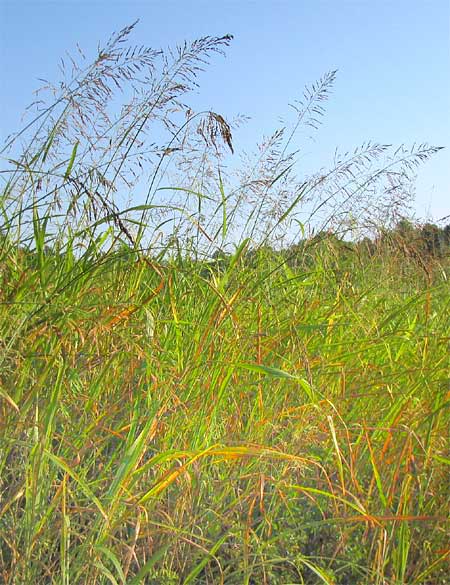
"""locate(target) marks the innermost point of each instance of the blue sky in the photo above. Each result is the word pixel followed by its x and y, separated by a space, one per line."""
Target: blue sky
pixel 393 57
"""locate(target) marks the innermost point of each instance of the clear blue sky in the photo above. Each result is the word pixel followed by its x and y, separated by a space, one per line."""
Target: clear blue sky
pixel 393 58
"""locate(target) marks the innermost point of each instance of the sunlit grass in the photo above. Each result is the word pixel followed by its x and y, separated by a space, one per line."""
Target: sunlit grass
pixel 272 427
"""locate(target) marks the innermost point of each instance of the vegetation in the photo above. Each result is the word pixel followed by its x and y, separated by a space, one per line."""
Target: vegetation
pixel 200 388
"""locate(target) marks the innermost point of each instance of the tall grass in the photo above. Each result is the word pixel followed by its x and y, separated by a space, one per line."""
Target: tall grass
pixel 175 414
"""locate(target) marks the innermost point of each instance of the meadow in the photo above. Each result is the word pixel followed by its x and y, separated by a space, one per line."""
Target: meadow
pixel 191 391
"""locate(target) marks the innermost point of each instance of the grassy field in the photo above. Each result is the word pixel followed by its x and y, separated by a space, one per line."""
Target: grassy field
pixel 257 417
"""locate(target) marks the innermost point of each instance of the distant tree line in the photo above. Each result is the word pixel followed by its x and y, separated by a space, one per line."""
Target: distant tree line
pixel 423 242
